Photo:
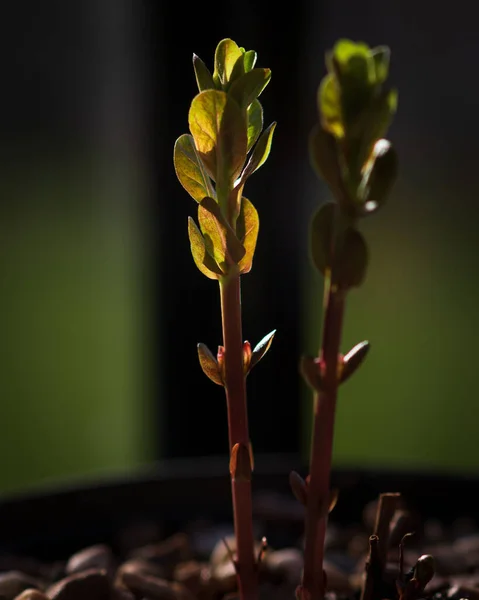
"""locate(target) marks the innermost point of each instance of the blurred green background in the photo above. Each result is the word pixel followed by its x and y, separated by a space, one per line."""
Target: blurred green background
pixel 86 183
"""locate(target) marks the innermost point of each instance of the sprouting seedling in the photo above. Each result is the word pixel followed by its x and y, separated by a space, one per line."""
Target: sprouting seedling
pixel 224 148
pixel 348 151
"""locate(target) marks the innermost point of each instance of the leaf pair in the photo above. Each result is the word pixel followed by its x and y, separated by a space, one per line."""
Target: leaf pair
pixel 343 257
pixel 212 367
pixel 215 246
pixel 219 144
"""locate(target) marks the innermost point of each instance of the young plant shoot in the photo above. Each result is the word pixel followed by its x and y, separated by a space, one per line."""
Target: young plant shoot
pixel 348 151
pixel 224 148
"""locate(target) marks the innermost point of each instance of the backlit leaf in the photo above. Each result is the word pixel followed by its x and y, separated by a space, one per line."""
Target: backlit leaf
pixel 220 132
pixel 249 86
pixel 203 260
pixel 249 60
pixel 329 104
pixel 247 228
pixel 204 79
pixel 190 170
pixel 226 55
pixel 209 364
pixel 255 122
pixel 260 153
pixel 261 348
pixel 220 240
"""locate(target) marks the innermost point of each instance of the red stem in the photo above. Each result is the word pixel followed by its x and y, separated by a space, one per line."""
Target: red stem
pixel 322 446
pixel 235 387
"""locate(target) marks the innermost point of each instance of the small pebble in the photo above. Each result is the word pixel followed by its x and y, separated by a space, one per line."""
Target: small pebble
pixel 223 578
pixel 458 592
pixel 168 552
pixel 31 595
pixel 284 566
pixel 138 565
pixel 99 556
pixel 155 588
pixel 14 583
pixel 92 584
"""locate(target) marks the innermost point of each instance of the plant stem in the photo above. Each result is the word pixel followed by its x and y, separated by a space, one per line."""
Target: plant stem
pixel 322 444
pixel 235 386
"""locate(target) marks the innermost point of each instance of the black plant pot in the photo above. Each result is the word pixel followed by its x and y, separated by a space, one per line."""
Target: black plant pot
pixel 55 523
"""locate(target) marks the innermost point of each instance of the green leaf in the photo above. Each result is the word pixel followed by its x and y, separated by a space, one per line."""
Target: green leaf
pixel 249 86
pixel 261 348
pixel 344 50
pixel 249 60
pixel 209 364
pixel 374 122
pixel 381 56
pixel 190 170
pixel 379 176
pixel 260 153
pixel 204 79
pixel 226 55
pixel 220 240
pixel 353 360
pixel 351 261
pixel 247 228
pixel 323 152
pixel 203 260
pixel 322 230
pixel 329 104
pixel 255 122
pixel 219 129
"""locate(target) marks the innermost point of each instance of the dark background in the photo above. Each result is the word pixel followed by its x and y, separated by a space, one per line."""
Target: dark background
pixel 101 304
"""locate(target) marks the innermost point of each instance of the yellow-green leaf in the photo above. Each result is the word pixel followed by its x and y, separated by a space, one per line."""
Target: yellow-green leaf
pixel 226 55
pixel 220 240
pixel 190 170
pixel 209 364
pixel 260 153
pixel 247 228
pixel 203 260
pixel 255 122
pixel 249 86
pixel 249 60
pixel 218 126
pixel 329 104
pixel 204 79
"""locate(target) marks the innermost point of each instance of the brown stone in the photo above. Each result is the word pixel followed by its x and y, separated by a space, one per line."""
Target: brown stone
pixel 99 556
pixel 92 584
pixel 13 583
pixel 31 594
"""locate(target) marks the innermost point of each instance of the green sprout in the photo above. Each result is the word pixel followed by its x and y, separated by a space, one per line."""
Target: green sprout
pixel 348 150
pixel 225 147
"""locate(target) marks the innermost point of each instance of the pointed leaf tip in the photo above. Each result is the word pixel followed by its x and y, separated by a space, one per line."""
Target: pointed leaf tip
pixel 353 360
pixel 261 348
pixel 299 487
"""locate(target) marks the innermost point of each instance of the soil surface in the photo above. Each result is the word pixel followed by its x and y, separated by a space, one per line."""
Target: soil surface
pixel 195 563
